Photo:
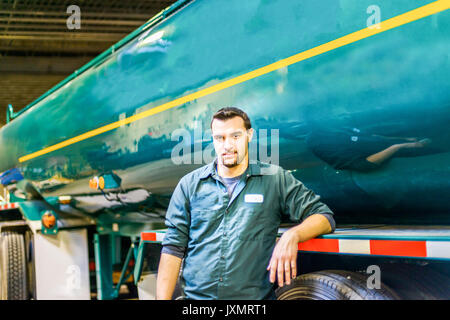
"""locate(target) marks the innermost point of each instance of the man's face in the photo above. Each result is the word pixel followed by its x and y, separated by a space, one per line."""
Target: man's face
pixel 231 140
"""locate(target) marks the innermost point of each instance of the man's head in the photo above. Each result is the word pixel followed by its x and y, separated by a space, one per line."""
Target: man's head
pixel 231 131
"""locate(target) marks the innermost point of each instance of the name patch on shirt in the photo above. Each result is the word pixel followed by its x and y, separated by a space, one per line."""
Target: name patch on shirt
pixel 254 198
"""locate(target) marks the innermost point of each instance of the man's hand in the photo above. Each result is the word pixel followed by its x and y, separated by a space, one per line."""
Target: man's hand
pixel 284 258
pixel 283 263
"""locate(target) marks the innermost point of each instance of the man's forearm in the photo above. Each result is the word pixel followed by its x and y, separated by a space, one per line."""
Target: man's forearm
pixel 283 263
pixel 169 268
pixel 313 226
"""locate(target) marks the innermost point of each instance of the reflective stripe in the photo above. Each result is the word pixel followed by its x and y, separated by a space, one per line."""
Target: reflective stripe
pixel 354 246
pixel 159 236
pixel 148 236
pixel 438 249
pixel 152 236
pixel 320 245
pixel 9 206
pixel 398 248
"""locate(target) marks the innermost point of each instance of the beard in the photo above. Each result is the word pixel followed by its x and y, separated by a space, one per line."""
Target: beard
pixel 231 164
pixel 237 160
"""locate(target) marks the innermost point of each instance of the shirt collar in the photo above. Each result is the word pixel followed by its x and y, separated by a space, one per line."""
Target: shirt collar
pixel 253 169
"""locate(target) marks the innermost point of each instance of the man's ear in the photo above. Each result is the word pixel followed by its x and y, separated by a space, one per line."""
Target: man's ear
pixel 250 134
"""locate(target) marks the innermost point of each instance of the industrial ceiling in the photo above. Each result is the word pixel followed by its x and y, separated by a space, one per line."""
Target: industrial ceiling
pixel 40 43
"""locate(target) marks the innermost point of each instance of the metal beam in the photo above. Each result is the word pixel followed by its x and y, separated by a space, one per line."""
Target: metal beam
pixel 83 21
pixel 131 6
pixel 94 37
pixel 123 16
pixel 32 50
pixel 70 33
pixel 42 65
pixel 64 47
pixel 125 29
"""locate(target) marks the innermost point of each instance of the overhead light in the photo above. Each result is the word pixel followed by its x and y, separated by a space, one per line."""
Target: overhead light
pixel 64 199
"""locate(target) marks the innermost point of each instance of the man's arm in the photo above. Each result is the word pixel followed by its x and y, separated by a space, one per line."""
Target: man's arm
pixel 301 204
pixel 284 257
pixel 178 224
pixel 168 270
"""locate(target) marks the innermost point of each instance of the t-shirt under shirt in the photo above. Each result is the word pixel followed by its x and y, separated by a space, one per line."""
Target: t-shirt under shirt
pixel 231 183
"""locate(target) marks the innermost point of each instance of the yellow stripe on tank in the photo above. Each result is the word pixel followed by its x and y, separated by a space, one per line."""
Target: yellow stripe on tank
pixel 410 16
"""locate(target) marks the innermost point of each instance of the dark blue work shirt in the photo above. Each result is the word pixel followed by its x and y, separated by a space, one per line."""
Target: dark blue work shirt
pixel 229 241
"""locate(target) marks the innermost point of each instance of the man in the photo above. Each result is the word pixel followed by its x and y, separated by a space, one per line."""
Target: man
pixel 223 220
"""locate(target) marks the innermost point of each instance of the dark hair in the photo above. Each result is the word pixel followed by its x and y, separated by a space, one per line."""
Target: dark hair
pixel 231 112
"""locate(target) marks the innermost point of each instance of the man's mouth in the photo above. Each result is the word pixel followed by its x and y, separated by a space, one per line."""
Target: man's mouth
pixel 228 155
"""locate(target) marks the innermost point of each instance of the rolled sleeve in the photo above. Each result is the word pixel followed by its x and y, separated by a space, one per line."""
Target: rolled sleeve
pixel 330 220
pixel 178 218
pixel 174 251
pixel 299 201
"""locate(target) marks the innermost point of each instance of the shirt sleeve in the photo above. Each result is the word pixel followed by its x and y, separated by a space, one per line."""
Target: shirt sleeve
pixel 330 220
pixel 178 218
pixel 174 251
pixel 299 201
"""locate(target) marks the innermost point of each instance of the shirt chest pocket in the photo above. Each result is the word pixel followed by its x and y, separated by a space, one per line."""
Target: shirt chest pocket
pixel 250 222
pixel 204 223
pixel 203 215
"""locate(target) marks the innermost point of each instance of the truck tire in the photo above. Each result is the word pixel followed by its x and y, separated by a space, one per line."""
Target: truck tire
pixel 415 282
pixel 333 285
pixel 13 267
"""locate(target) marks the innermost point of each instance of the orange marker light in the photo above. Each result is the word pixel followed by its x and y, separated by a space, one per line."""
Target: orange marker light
pixel 93 183
pixel 101 183
pixel 48 220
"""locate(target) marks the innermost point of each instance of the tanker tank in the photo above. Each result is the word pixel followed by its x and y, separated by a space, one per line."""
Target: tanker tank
pixel 360 115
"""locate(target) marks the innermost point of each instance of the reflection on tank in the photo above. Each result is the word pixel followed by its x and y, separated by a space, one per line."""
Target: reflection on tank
pixel 355 149
pixel 391 85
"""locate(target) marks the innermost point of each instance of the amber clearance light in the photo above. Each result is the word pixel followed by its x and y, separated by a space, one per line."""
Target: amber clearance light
pixel 48 220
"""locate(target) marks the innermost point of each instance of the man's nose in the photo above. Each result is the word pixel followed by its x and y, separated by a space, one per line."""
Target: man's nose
pixel 228 144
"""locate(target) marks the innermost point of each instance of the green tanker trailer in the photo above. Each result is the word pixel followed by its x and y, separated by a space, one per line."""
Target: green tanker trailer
pixel 352 98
